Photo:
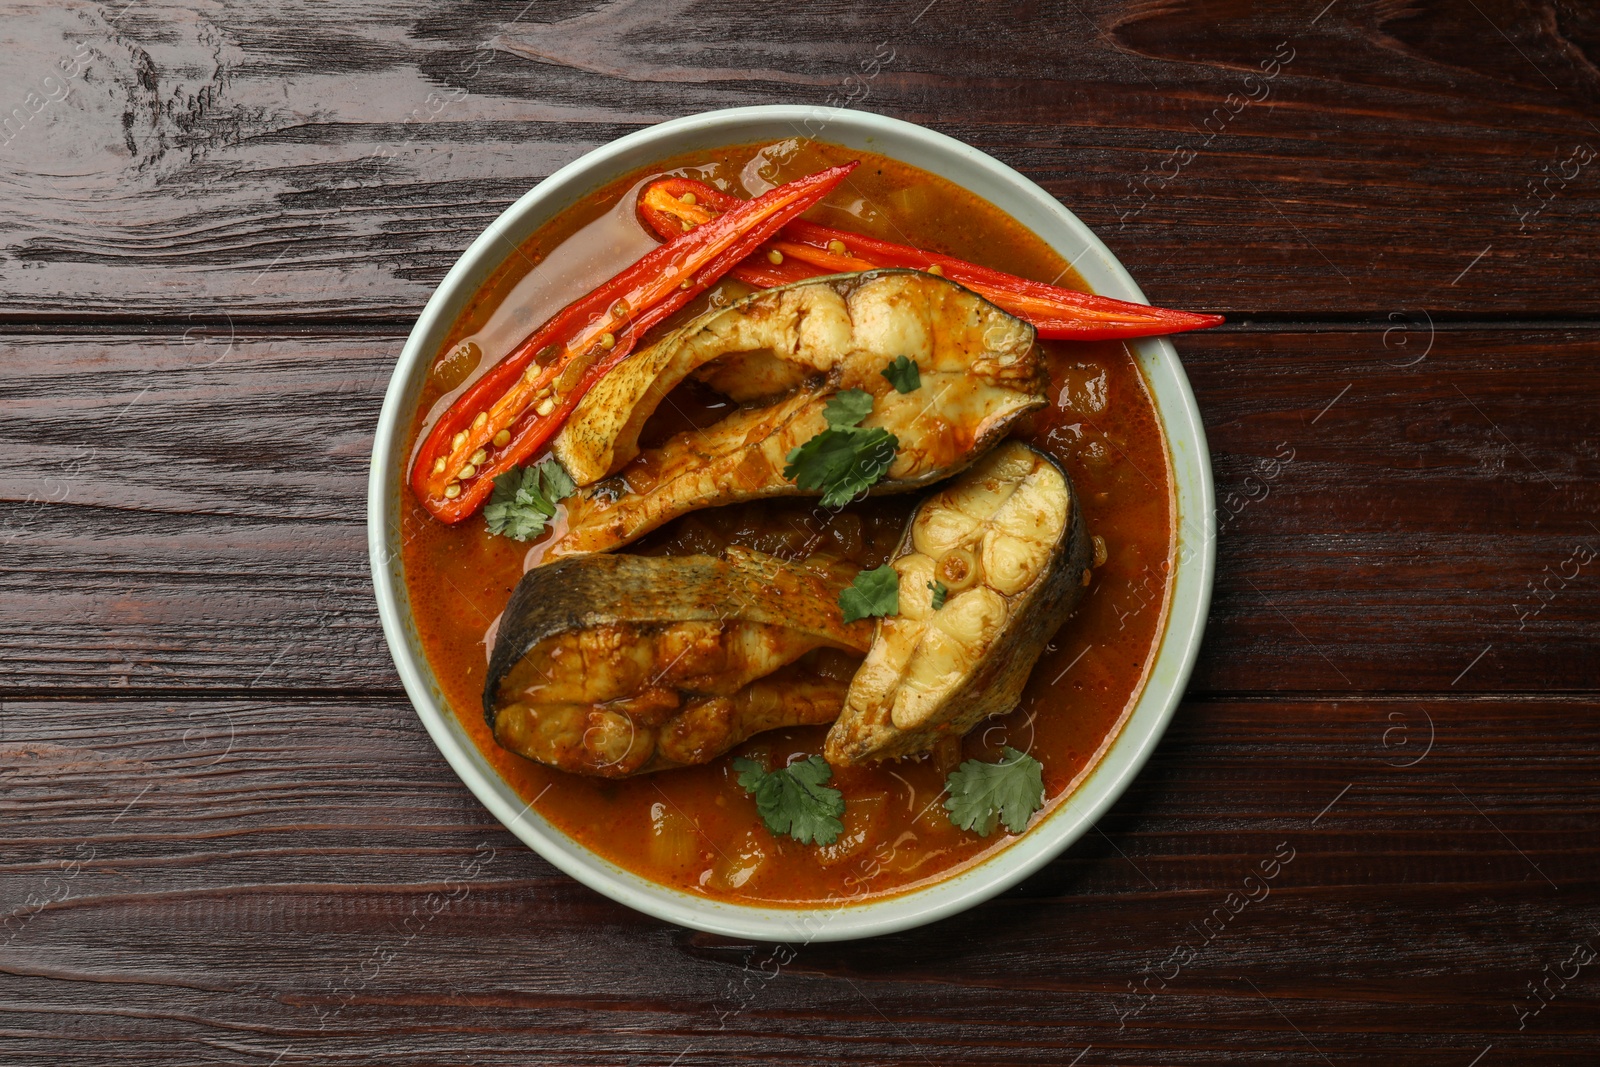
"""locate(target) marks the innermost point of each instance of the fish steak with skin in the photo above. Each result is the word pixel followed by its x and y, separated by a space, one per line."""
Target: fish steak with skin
pixel 617 665
pixel 782 355
pixel 990 567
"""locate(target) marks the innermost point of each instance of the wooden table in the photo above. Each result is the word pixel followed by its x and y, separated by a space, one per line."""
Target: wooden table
pixel 223 822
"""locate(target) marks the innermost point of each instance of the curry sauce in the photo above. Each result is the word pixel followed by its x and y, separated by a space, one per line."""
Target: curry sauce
pixel 694 828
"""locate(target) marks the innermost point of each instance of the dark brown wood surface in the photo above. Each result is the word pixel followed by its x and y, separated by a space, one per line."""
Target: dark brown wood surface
pixel 223 822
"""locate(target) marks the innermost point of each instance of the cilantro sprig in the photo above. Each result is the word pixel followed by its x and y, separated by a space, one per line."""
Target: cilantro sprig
pixel 847 458
pixel 940 592
pixel 874 592
pixel 524 499
pixel 903 374
pixel 795 800
pixel 983 794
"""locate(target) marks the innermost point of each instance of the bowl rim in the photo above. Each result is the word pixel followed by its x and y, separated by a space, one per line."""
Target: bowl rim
pixel 1119 761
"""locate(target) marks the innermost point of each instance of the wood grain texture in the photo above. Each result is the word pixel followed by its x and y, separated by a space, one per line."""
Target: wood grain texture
pixel 218 161
pixel 296 880
pixel 229 840
pixel 1383 522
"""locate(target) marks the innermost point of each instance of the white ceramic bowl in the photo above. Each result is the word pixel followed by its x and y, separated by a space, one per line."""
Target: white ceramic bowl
pixel 1028 204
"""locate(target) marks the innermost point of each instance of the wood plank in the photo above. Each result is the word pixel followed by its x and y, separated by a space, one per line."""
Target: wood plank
pixel 1439 504
pixel 221 162
pixel 190 515
pixel 253 885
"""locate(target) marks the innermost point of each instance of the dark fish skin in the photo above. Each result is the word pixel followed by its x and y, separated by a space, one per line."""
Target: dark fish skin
pixel 995 686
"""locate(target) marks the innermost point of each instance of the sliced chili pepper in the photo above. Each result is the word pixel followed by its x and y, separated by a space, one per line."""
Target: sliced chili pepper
pixel 668 205
pixel 523 400
pixel 756 270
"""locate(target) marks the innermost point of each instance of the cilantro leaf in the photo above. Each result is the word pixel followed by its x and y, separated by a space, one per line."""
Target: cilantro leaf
pixel 982 794
pixel 795 800
pixel 903 374
pixel 846 410
pixel 874 592
pixel 524 499
pixel 842 463
pixel 558 484
pixel 940 592
pixel 844 460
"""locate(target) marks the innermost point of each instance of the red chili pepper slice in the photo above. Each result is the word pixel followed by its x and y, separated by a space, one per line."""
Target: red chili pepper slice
pixel 667 205
pixel 523 400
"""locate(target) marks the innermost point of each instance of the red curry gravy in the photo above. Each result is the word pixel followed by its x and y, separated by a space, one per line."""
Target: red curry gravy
pixel 694 828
